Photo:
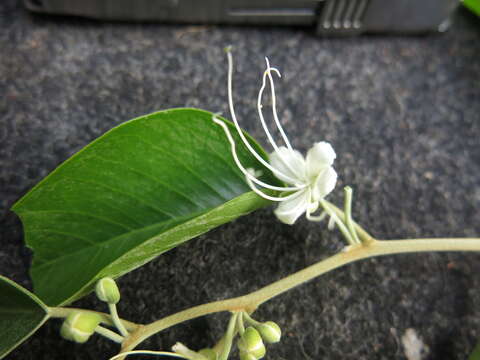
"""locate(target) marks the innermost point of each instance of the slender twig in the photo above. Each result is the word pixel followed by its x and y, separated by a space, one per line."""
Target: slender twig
pixel 248 303
pixel 341 225
pixel 364 236
pixel 348 214
pixel 227 342
pixel 109 334
pixel 62 312
pixel 116 319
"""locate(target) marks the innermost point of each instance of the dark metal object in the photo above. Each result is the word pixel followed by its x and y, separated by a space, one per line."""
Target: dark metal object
pixel 330 17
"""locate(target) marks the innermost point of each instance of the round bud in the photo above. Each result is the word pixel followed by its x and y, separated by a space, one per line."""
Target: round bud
pixel 107 290
pixel 247 356
pixel 251 343
pixel 270 332
pixel 208 353
pixel 79 326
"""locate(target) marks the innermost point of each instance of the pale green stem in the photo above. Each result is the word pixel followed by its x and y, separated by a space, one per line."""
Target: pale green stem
pixel 348 214
pixel 343 229
pixel 109 334
pixel 240 325
pixel 250 320
pixel 353 253
pixel 227 343
pixel 219 345
pixel 61 312
pixel 364 236
pixel 116 319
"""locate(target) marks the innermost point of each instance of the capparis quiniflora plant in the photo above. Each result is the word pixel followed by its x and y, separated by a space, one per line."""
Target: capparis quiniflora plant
pixel 153 183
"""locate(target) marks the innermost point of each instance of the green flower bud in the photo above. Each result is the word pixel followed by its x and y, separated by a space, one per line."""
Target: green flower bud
pixel 247 356
pixel 210 354
pixel 79 326
pixel 270 332
pixel 251 343
pixel 107 290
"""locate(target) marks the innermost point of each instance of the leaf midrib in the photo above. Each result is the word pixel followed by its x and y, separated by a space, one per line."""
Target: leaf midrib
pixel 126 234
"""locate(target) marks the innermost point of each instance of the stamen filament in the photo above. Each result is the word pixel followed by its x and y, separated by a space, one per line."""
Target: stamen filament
pixel 149 352
pixel 260 112
pixel 268 197
pixel 318 218
pixel 242 168
pixel 239 130
pixel 262 119
pixel 274 104
pixel 300 205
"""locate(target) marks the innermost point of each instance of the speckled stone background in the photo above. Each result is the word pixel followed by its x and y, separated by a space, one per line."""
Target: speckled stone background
pixel 403 114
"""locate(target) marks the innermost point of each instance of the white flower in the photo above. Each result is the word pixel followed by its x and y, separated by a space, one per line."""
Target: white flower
pixel 308 179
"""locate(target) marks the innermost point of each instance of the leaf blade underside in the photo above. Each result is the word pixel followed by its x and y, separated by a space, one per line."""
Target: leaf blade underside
pixel 21 314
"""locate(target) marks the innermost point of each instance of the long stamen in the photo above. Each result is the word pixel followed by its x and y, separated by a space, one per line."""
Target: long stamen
pixel 260 112
pixel 239 130
pixel 300 205
pixel 242 168
pixel 272 198
pixel 262 119
pixel 315 218
pixel 274 104
pixel 149 352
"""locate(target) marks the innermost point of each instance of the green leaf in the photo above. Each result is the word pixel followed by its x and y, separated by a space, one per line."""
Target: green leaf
pixel 475 355
pixel 141 189
pixel 21 314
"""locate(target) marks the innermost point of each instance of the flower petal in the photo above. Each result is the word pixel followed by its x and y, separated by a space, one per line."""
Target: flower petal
pixel 290 210
pixel 319 156
pixel 289 163
pixel 324 183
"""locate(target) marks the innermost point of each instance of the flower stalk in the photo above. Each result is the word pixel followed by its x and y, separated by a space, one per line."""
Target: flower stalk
pixel 368 248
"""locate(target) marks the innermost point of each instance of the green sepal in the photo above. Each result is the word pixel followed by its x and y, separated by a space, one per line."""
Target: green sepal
pixel 79 326
pixel 107 290
pixel 251 342
pixel 270 332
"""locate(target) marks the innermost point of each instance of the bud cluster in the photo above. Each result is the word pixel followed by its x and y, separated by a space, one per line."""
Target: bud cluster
pixel 80 325
pixel 251 343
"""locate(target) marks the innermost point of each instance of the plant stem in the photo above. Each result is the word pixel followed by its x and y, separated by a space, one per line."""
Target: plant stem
pixel 109 334
pixel 364 236
pixel 116 319
pixel 249 302
pixel 340 224
pixel 227 342
pixel 61 312
pixel 348 214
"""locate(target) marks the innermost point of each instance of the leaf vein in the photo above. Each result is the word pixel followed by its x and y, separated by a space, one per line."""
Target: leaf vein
pixel 155 180
pixel 185 166
pixel 123 193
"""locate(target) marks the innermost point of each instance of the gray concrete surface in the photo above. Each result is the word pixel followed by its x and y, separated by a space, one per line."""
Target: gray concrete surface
pixel 401 112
